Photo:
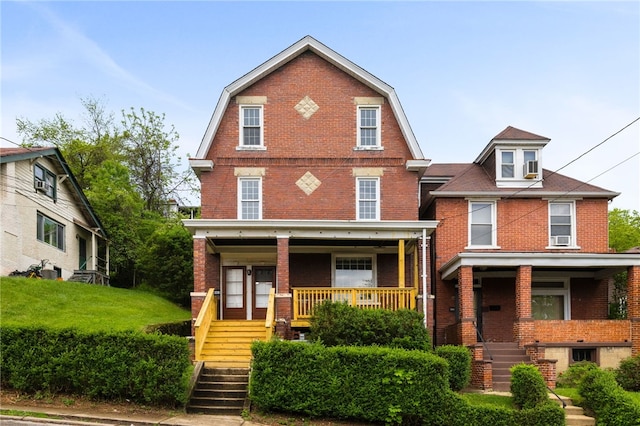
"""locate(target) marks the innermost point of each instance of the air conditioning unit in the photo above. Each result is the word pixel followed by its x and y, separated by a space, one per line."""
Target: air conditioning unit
pixel 561 240
pixel 42 185
pixel 530 169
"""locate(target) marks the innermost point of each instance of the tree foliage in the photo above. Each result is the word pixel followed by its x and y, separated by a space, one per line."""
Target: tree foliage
pixel 624 234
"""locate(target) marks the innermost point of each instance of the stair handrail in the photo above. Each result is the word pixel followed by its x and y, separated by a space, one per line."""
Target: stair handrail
pixel 201 327
pixel 484 344
pixel 271 311
pixel 564 404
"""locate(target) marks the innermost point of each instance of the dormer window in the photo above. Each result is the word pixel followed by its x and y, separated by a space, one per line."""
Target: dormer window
pixel 508 164
pixel 518 167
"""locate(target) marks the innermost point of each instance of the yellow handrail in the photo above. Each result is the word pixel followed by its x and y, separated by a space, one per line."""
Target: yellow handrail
pixel 390 298
pixel 207 314
pixel 271 311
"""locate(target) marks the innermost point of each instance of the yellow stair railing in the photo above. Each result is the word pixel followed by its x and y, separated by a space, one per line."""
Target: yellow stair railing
pixel 207 314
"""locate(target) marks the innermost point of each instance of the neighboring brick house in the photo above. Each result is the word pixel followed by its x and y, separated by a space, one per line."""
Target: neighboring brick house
pixel 45 215
pixel 522 252
pixel 310 183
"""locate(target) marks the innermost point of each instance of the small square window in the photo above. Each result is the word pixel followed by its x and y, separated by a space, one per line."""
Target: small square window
pixel 583 354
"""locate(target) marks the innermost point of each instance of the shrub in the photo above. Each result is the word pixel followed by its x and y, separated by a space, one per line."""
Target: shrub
pixel 528 386
pixel 573 375
pixel 459 358
pixel 628 374
pixel 144 368
pixel 338 324
pixel 603 395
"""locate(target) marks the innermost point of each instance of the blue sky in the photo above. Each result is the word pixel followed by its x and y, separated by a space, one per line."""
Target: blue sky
pixel 463 71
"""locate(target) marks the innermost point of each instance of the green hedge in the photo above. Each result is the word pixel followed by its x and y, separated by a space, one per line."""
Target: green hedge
pixel 338 324
pixel 145 368
pixel 610 403
pixel 528 387
pixel 628 374
pixel 459 358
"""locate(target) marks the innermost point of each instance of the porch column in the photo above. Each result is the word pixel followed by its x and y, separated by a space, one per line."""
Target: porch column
pixel 523 326
pixel 283 290
pixel 633 307
pixel 199 276
pixel 94 252
pixel 465 297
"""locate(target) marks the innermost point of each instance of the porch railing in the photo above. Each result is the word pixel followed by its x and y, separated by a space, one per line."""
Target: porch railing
pixel 271 312
pixel 203 323
pixel 389 298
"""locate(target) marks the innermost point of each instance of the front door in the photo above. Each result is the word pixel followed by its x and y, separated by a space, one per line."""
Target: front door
pixel 233 296
pixel 262 284
pixel 82 253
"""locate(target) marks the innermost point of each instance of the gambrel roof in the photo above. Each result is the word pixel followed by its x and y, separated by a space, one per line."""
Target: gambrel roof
pixel 308 43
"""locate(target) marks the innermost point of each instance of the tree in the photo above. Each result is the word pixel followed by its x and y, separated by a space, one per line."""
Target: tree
pixel 624 233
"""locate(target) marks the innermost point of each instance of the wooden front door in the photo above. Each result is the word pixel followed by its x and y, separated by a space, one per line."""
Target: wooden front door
pixel 263 280
pixel 233 296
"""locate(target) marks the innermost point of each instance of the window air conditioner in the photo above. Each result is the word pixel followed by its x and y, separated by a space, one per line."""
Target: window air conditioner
pixel 42 185
pixel 561 240
pixel 531 169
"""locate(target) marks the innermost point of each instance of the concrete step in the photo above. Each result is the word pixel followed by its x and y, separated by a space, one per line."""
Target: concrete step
pixel 220 391
pixel 579 420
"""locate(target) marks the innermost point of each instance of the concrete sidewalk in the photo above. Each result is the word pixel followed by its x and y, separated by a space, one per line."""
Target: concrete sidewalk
pixel 70 416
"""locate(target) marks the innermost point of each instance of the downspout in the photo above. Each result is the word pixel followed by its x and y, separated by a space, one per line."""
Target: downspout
pixel 425 297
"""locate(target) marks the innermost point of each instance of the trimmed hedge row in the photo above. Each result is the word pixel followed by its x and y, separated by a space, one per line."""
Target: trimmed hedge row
pixel 612 406
pixel 338 324
pixel 459 358
pixel 373 384
pixel 145 368
pixel 528 387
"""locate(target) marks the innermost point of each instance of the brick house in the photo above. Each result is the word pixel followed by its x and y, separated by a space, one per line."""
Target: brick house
pixel 314 187
pixel 521 258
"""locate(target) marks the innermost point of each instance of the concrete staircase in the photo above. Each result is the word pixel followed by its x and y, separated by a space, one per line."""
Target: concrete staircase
pixel 505 355
pixel 228 343
pixel 574 415
pixel 220 391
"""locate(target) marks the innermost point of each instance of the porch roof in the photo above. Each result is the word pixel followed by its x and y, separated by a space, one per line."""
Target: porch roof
pixel 611 262
pixel 312 229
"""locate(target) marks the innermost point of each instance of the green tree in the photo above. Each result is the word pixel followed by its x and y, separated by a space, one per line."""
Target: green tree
pixel 624 233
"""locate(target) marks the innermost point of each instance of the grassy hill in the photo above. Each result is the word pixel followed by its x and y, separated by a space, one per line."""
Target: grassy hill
pixel 61 304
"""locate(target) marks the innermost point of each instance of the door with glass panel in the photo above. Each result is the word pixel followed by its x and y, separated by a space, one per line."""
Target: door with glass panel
pixel 263 280
pixel 233 296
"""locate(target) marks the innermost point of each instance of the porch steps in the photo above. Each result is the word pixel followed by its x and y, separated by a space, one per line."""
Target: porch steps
pixel 228 343
pixel 505 355
pixel 574 415
pixel 220 391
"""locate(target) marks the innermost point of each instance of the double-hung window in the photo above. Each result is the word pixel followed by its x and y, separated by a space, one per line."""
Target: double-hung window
pixel 251 134
pixel 368 127
pixel 250 198
pixel 482 223
pixel 50 231
pixel 561 220
pixel 367 198
pixel 508 164
pixel 44 181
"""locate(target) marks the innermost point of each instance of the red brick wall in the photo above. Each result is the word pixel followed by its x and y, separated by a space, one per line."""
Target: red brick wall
pixel 589 299
pixel 557 331
pixel 310 269
pixel 496 324
pixel 323 144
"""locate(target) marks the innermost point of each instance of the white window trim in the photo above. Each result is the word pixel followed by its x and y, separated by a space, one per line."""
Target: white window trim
pixel 49 177
pixel 239 189
pixel 514 164
pixel 565 291
pixel 572 245
pixel 241 146
pixel 374 266
pixel 518 180
pixel 494 225
pixel 378 145
pixel 378 200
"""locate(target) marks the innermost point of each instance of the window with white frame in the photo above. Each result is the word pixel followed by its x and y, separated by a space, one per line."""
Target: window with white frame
pixel 518 166
pixel 251 134
pixel 550 300
pixel 367 198
pixel 44 181
pixel 508 164
pixel 482 223
pixel 368 127
pixel 354 271
pixel 561 224
pixel 50 231
pixel 250 198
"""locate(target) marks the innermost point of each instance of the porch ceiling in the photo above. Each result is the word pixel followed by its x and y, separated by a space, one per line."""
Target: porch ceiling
pixel 310 229
pixel 603 264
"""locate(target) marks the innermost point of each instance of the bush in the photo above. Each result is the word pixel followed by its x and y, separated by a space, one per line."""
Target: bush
pixel 143 368
pixel 603 395
pixel 628 374
pixel 338 324
pixel 573 375
pixel 459 358
pixel 528 387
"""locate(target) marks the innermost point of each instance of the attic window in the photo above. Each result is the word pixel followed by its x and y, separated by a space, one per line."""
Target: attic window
pixel 518 167
pixel 44 181
pixel 251 135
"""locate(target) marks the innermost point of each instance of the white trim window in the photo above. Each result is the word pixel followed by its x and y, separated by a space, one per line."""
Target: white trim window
pixel 251 126
pixel 44 180
pixel 367 198
pixel 368 127
pixel 482 223
pixel 50 231
pixel 561 224
pixel 508 164
pixel 550 299
pixel 354 271
pixel 250 198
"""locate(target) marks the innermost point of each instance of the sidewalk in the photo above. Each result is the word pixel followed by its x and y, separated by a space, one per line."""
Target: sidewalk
pixel 70 416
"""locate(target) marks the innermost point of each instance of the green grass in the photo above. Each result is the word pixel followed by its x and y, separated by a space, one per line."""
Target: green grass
pixel 488 399
pixel 570 393
pixel 86 307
